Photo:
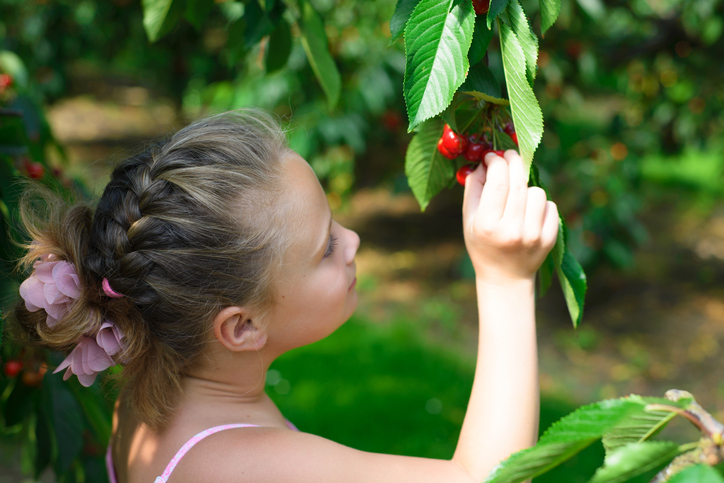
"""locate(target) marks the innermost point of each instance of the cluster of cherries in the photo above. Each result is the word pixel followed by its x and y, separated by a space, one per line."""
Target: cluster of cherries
pixel 451 145
pixel 31 376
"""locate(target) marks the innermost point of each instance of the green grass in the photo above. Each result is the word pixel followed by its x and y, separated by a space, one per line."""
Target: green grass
pixel 387 388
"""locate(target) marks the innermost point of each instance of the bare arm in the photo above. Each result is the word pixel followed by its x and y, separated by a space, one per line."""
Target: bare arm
pixel 509 229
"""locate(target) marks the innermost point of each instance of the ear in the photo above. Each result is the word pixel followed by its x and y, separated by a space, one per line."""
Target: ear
pixel 237 331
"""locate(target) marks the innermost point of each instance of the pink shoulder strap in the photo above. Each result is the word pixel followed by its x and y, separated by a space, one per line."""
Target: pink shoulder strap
pixel 190 444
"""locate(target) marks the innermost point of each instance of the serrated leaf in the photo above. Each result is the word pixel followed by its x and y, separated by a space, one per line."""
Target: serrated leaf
pixel 634 459
pixel 482 35
pixel 158 18
pixel 314 41
pixel 399 19
pixel 527 39
pixel 426 169
pixel 636 428
pixel 496 8
pixel 549 11
pixel 564 439
pixel 279 48
pixel 524 107
pixel 437 40
pixel 545 275
pixel 697 474
pixel 481 84
pixel 574 285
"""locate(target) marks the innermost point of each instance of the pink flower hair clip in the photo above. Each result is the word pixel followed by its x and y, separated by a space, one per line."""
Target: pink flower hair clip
pixel 93 355
pixel 53 286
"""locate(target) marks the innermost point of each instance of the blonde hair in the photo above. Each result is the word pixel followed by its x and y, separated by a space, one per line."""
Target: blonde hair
pixel 182 230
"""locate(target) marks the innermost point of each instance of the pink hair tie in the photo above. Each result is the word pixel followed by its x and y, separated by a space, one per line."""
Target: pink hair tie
pixel 109 291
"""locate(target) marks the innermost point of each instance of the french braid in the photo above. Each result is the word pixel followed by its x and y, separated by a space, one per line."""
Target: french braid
pixel 182 230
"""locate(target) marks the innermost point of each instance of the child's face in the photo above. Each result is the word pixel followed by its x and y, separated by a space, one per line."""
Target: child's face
pixel 315 292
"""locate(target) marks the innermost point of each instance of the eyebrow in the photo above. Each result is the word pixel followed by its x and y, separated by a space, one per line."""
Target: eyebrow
pixel 326 239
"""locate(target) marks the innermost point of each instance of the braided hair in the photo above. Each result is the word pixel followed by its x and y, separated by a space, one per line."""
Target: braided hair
pixel 182 230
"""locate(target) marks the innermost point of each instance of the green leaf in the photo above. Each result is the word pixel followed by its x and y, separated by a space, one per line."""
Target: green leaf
pixel 399 19
pixel 524 107
pixel 564 439
pixel 158 18
pixel 197 11
pixel 314 41
pixel 634 459
pixel 549 10
pixel 528 40
pixel 11 63
pixel 426 169
pixel 437 40
pixel 697 474
pixel 638 427
pixel 496 8
pixel 574 285
pixel 482 35
pixel 258 24
pixel 67 421
pixel 482 85
pixel 279 48
pixel 545 275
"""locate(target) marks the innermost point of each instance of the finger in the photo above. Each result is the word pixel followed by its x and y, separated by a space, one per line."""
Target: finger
pixel 518 194
pixel 535 211
pixel 495 191
pixel 549 233
pixel 473 190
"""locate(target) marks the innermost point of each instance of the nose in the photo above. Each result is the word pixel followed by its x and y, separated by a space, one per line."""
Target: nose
pixel 350 249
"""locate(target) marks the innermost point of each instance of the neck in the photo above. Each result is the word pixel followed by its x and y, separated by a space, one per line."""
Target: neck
pixel 229 377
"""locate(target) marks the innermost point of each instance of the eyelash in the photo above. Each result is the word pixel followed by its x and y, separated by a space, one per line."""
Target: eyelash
pixel 332 244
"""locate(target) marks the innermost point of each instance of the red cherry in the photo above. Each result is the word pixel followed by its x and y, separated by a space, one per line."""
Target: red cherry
pixel 499 152
pixel 391 120
pixel 5 81
pixel 12 368
pixel 463 173
pixel 453 142
pixel 36 170
pixel 481 6
pixel 474 151
pixel 443 150
pixel 508 128
pixel 514 137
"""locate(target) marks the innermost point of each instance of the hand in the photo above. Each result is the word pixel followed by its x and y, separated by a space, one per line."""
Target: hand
pixel 509 228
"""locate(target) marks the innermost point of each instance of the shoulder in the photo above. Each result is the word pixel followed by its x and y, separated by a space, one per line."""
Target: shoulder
pixel 265 455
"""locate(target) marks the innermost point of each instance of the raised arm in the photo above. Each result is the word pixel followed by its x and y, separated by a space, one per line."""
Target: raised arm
pixel 509 229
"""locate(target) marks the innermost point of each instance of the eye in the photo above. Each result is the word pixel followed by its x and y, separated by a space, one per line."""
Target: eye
pixel 332 244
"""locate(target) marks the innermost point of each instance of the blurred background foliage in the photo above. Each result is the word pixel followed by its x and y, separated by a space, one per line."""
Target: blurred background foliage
pixel 632 96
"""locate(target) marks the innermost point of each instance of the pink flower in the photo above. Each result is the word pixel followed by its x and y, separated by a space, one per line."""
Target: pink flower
pixel 52 287
pixel 92 356
pixel 86 361
pixel 109 338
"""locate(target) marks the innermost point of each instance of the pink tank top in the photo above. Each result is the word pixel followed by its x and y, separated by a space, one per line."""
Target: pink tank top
pixel 184 449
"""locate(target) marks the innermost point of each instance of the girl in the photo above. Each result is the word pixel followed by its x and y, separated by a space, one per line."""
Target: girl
pixel 209 256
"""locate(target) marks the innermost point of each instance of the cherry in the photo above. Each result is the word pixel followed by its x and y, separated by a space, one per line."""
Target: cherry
pixel 463 173
pixel 5 81
pixel 499 152
pixel 391 120
pixel 35 170
pixel 12 368
pixel 481 6
pixel 474 151
pixel 453 142
pixel 34 378
pixel 443 150
pixel 510 131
